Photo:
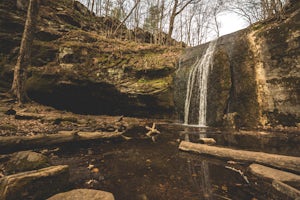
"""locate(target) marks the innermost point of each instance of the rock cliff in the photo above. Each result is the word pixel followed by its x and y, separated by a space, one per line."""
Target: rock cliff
pixel 76 67
pixel 256 74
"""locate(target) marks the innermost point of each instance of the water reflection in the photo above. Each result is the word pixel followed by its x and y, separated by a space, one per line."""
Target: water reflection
pixel 269 142
pixel 143 169
pixel 205 180
pixel 205 184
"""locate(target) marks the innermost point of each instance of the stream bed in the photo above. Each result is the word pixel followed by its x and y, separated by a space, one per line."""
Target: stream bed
pixel 145 170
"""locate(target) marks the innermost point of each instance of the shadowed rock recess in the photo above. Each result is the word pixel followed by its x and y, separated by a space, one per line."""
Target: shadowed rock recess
pixel 256 75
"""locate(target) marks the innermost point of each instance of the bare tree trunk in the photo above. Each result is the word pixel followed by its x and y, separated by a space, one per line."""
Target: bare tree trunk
pixel 124 20
pixel 162 10
pixel 217 25
pixel 173 16
pixel 88 4
pixel 171 24
pixel 93 2
pixel 18 86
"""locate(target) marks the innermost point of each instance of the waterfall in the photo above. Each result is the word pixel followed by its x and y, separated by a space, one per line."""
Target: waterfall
pixel 196 95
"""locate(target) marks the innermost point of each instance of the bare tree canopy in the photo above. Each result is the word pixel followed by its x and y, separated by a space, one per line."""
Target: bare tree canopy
pixel 190 21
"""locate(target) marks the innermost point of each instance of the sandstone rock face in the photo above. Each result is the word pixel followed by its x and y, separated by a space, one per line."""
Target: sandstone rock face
pixel 76 68
pixel 80 194
pixel 256 75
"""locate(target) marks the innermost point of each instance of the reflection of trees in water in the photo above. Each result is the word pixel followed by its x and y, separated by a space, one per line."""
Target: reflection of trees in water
pixel 205 180
pixel 199 169
pixel 200 177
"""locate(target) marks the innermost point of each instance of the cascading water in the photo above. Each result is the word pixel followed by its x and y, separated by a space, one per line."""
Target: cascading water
pixel 196 95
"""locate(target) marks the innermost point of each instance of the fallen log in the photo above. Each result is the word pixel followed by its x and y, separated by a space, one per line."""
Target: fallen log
pixel 274 174
pixel 208 141
pixel 36 184
pixel 23 142
pixel 279 161
pixel 286 189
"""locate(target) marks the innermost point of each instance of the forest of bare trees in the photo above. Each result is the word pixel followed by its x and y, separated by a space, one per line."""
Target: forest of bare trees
pixel 190 21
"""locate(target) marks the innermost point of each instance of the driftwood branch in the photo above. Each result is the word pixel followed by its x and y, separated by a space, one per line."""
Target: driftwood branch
pixel 240 172
pixel 279 161
pixel 152 132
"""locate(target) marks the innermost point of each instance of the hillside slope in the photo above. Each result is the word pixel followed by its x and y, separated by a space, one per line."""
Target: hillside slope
pixel 76 67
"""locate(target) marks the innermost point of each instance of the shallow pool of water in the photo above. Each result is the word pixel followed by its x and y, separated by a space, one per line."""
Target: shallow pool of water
pixel 142 169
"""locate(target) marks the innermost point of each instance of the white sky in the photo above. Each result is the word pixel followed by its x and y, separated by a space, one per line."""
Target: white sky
pixel 231 22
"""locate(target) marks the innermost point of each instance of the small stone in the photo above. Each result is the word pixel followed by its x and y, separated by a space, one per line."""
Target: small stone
pixel 10 112
pixel 90 166
pixel 90 152
pixel 95 170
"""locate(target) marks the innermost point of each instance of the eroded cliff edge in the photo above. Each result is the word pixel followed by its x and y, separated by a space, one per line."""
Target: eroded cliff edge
pixel 256 74
pixel 75 66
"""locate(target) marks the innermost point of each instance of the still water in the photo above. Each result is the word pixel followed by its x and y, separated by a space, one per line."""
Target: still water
pixel 140 169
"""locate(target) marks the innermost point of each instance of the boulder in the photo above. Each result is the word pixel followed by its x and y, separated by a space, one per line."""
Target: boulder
pixel 36 184
pixel 80 194
pixel 26 161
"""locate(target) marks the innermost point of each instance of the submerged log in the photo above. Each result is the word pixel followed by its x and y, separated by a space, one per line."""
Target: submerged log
pixel 36 184
pixel 279 161
pixel 286 189
pixel 274 174
pixel 46 140
pixel 277 177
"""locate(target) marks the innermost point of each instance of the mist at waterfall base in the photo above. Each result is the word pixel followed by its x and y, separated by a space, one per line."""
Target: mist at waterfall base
pixel 196 96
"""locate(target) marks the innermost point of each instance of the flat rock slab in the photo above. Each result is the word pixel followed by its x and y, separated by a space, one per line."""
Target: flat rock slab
pixel 36 184
pixel 81 194
pixel 271 173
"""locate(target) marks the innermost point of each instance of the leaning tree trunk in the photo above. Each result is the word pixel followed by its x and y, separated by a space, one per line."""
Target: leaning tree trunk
pixel 18 86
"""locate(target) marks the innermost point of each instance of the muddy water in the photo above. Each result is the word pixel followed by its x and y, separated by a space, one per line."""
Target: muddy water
pixel 142 169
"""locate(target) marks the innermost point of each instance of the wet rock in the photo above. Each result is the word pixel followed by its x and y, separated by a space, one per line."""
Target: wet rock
pixel 10 111
pixel 36 184
pixel 26 161
pixel 229 121
pixel 80 194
